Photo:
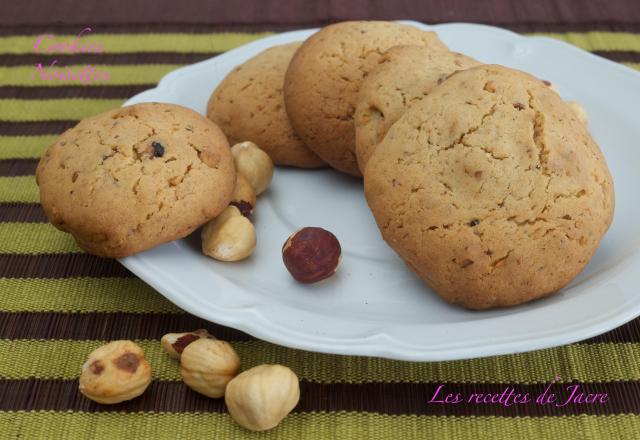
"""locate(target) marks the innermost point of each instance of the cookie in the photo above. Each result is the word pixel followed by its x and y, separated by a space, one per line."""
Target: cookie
pixel 248 105
pixel 323 79
pixel 404 75
pixel 132 178
pixel 491 189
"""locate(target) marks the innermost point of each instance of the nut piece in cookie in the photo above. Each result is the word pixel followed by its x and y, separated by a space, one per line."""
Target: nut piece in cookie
pixel 403 76
pixel 249 105
pixel 491 189
pixel 135 177
pixel 115 372
pixel 324 76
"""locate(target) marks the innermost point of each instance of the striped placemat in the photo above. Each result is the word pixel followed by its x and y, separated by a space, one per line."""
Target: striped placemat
pixel 57 303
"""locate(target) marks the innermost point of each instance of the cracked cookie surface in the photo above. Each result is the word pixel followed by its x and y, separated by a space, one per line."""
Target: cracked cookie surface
pixel 132 178
pixel 248 105
pixel 491 189
pixel 404 76
pixel 323 80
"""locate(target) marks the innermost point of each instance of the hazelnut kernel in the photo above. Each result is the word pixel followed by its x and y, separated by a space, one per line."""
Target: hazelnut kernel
pixel 174 343
pixel 244 197
pixel 115 372
pixel 254 164
pixel 311 254
pixel 259 398
pixel 229 237
pixel 207 365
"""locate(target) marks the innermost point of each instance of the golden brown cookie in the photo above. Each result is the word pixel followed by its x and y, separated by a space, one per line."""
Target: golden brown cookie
pixel 248 105
pixel 132 178
pixel 323 80
pixel 404 75
pixel 491 189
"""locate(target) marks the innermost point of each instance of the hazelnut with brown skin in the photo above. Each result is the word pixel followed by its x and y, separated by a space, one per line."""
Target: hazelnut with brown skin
pixel 174 343
pixel 311 254
pixel 115 372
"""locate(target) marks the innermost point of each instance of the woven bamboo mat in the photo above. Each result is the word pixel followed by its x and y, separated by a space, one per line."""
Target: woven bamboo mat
pixel 57 303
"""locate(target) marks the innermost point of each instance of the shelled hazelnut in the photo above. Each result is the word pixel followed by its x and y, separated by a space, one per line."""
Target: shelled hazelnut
pixel 115 372
pixel 259 398
pixel 207 365
pixel 311 254
pixel 174 343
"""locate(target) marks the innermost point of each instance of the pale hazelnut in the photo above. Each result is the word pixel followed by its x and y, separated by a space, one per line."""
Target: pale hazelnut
pixel 579 111
pixel 244 197
pixel 115 372
pixel 229 237
pixel 254 164
pixel 259 398
pixel 174 343
pixel 311 254
pixel 207 365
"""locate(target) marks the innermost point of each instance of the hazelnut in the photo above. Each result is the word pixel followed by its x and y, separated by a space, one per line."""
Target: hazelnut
pixel 174 343
pixel 207 365
pixel 229 237
pixel 259 398
pixel 115 372
pixel 254 164
pixel 579 111
pixel 311 254
pixel 244 197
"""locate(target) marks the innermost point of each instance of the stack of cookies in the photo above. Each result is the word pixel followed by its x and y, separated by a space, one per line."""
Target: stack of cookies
pixel 483 180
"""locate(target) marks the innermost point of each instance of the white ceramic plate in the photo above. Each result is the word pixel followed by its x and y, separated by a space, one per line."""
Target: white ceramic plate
pixel 374 305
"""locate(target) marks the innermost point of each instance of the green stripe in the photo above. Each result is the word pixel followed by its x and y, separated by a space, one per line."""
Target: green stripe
pixel 598 40
pixel 582 362
pixel 122 43
pixel 221 42
pixel 19 189
pixel 54 109
pixel 312 426
pixel 82 295
pixel 633 65
pixel 24 147
pixel 35 238
pixel 118 75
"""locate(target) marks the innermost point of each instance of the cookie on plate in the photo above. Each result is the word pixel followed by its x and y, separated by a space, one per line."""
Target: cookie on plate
pixel 323 79
pixel 404 75
pixel 491 189
pixel 132 178
pixel 248 105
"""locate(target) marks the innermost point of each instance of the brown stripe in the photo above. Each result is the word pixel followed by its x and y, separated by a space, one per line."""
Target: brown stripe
pixel 22 212
pixel 18 167
pixel 620 56
pixel 247 12
pixel 382 398
pixel 59 266
pixel 107 326
pixel 105 58
pixel 107 92
pixel 34 127
pixel 262 26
